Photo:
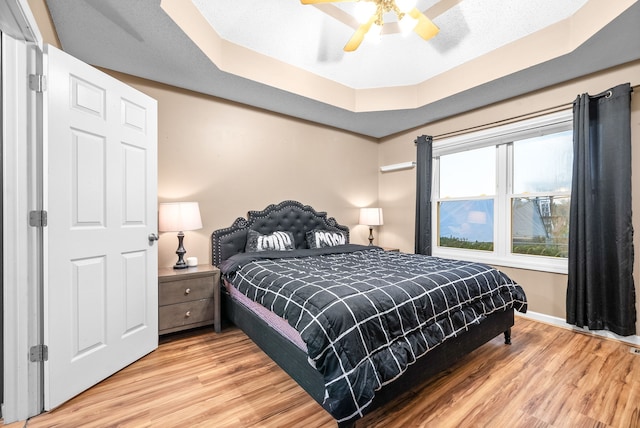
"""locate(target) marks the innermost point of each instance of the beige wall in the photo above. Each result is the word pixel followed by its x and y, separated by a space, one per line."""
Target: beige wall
pixel 232 158
pixel 545 291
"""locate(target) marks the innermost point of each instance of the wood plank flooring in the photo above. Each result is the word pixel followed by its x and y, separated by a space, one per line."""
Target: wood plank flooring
pixel 548 377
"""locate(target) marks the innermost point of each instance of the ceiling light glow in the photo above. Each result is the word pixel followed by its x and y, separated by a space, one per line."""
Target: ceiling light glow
pixel 374 34
pixel 405 5
pixel 363 11
pixel 407 24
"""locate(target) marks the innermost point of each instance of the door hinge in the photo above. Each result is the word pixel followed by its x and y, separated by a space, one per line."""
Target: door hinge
pixel 38 353
pixel 37 82
pixel 38 218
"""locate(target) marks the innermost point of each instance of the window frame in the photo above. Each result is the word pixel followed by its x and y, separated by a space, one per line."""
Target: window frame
pixel 502 137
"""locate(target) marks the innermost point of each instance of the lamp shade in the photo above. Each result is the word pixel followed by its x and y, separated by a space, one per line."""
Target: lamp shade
pixel 371 216
pixel 179 216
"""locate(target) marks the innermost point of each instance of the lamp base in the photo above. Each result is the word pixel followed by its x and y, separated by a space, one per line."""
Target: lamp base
pixel 371 236
pixel 180 264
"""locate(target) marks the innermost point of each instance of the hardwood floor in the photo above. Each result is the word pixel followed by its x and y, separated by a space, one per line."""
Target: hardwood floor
pixel 548 377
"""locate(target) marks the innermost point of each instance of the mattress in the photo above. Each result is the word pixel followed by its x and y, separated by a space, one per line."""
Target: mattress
pixel 279 324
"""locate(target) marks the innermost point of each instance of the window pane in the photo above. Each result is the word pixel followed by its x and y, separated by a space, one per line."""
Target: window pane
pixel 470 173
pixel 466 224
pixel 543 164
pixel 540 226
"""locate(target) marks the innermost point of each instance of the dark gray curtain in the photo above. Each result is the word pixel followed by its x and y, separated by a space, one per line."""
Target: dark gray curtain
pixel 424 145
pixel 600 291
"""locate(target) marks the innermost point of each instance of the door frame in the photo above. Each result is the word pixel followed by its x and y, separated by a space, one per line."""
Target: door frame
pixel 22 152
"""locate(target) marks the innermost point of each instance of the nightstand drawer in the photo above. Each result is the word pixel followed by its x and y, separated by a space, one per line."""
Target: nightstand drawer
pixel 186 290
pixel 188 298
pixel 182 314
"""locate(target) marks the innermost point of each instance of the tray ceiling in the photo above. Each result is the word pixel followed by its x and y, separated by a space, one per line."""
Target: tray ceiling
pixel 287 57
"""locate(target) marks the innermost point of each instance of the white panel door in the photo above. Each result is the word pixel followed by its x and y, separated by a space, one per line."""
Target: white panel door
pixel 100 192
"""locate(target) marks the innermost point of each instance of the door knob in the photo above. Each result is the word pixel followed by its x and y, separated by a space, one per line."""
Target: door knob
pixel 153 237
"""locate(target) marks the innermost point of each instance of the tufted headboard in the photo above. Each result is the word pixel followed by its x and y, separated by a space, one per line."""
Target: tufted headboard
pixel 289 216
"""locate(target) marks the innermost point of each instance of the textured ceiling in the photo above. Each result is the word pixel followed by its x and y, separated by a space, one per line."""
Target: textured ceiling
pixel 162 41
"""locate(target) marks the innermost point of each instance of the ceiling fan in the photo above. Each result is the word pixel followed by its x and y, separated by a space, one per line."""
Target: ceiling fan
pixel 409 18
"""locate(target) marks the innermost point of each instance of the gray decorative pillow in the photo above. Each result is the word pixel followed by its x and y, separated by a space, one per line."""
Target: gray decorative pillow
pixel 322 238
pixel 277 241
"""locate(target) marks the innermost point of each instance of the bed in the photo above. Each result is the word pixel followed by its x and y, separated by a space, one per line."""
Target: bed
pixel 355 326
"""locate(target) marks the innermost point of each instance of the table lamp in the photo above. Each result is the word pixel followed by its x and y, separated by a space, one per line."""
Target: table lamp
pixel 178 217
pixel 371 217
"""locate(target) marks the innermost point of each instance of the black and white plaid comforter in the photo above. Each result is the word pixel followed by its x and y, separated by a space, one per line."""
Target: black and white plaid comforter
pixel 366 315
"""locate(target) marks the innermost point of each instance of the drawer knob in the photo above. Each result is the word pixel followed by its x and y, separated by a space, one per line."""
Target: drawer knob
pixel 187 291
pixel 188 314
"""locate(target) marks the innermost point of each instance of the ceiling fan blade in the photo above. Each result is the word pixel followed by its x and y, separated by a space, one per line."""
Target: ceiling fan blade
pixel 425 28
pixel 358 36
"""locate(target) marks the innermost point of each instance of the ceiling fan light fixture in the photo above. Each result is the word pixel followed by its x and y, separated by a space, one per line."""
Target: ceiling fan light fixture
pixel 375 10
pixel 363 11
pixel 407 24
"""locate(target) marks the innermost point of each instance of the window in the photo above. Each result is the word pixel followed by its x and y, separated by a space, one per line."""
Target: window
pixel 466 206
pixel 540 198
pixel 501 196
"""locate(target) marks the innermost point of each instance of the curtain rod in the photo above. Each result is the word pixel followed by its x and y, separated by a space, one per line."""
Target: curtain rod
pixel 505 121
pixel 511 119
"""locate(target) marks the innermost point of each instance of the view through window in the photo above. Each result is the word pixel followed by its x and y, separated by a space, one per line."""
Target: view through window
pixel 541 195
pixel 466 205
pixel 505 198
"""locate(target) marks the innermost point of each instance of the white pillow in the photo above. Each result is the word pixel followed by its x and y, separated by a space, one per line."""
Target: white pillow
pixel 323 238
pixel 277 241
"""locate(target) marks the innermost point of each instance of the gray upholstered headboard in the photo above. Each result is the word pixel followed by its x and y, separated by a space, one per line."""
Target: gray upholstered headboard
pixel 289 216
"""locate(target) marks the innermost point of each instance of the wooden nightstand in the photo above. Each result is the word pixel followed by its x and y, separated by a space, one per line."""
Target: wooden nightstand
pixel 188 298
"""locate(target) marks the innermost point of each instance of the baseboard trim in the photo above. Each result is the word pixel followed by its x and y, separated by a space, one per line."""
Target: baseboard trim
pixel 559 322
